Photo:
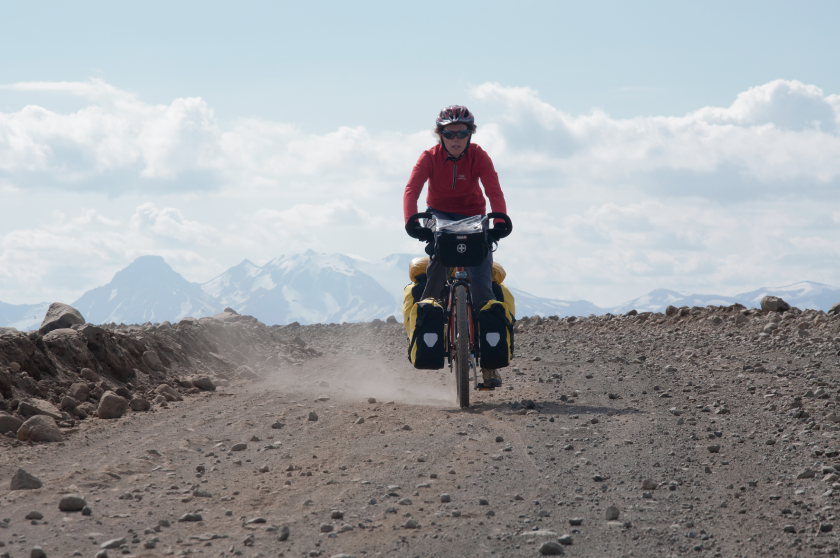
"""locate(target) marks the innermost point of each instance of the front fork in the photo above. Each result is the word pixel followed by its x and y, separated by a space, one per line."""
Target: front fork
pixel 460 278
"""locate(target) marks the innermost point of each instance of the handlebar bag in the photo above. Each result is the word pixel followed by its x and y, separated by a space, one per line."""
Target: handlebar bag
pixel 495 331
pixel 426 349
pixel 461 243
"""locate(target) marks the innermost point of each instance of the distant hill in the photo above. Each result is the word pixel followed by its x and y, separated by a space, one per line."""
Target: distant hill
pixel 320 288
pixel 147 290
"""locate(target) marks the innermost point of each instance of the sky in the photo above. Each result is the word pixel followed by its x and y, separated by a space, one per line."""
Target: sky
pixel 689 146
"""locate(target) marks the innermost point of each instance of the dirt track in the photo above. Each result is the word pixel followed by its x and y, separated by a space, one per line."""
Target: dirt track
pixel 588 443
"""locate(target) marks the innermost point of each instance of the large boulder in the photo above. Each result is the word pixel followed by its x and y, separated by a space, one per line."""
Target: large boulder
pixel 168 392
pixel 204 383
pixel 32 407
pixel 39 428
pixel 834 309
pixel 774 304
pixel 60 316
pixel 111 406
pixel 139 404
pixel 79 391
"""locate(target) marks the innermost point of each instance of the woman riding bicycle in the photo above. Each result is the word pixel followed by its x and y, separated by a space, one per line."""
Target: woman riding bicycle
pixel 452 169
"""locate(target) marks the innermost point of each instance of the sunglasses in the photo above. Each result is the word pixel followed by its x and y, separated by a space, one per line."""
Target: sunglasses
pixel 452 135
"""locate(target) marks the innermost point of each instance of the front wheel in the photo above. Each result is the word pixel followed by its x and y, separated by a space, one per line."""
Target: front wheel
pixel 462 347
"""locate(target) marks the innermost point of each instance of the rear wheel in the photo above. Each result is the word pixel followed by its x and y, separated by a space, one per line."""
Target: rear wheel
pixel 462 347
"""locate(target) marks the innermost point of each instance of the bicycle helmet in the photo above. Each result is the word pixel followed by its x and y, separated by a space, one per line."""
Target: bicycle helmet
pixel 455 114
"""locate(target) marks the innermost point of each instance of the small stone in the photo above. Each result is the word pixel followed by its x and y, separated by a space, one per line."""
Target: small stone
pixel 313 416
pixel 139 404
pixel 277 425
pixel 101 554
pixel 565 539
pixel 264 469
pixel 806 474
pixel 34 515
pixel 24 481
pixel 551 548
pixel 499 439
pixel 483 502
pixel 360 420
pixel 326 528
pixel 256 520
pixel 405 502
pixel 411 524
pixel 575 521
pixel 284 533
pixel 371 400
pixel 612 513
pixel 204 383
pixel 113 543
pixel 239 447
pixel 789 529
pixel 826 527
pixel 37 552
pixel 189 517
pixel 445 498
pixel 86 511
pixel 337 514
pixel 8 423
pixel 714 448
pixel 71 504
pixel 649 484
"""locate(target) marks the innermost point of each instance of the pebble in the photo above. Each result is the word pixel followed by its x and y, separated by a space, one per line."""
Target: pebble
pixel 575 521
pixel 612 513
pixel 405 502
pixel 551 548
pixel 313 416
pixel 71 504
pixel 714 448
pixel 239 447
pixel 37 552
pixel 371 400
pixel 499 439
pixel 113 543
pixel 360 420
pixel 277 425
pixel 649 484
pixel 445 498
pixel 411 524
pixel 337 514
pixel 565 539
pixel 284 533
pixel 34 515
pixel 189 517
pixel 326 528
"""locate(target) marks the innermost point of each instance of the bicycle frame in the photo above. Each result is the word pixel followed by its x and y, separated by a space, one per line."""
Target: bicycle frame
pixel 450 319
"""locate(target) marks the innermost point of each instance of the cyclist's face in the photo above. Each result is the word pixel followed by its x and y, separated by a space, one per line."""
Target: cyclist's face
pixel 455 146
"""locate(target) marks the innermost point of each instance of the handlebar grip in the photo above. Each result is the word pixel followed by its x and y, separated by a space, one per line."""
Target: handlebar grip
pixel 411 227
pixel 508 228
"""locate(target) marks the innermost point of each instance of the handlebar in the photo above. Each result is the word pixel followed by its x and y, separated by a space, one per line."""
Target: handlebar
pixel 415 230
pixel 504 231
pixel 411 228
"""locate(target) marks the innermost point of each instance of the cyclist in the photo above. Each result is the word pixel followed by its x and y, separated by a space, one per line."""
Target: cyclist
pixel 452 169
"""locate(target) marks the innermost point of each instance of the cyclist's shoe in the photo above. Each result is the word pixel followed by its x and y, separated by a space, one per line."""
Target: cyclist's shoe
pixel 491 377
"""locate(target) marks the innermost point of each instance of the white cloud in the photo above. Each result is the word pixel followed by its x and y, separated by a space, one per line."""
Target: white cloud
pixel 721 199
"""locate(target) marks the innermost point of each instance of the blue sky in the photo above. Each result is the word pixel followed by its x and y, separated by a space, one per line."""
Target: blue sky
pixel 642 145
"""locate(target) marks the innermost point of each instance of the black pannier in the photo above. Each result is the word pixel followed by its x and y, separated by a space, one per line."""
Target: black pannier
pixel 461 243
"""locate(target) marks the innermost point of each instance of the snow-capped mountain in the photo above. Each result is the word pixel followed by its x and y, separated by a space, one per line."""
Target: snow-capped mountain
pixel 306 288
pixel 147 290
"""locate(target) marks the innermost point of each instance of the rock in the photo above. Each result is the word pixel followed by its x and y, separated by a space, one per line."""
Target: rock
pixel 671 311
pixel 5 384
pixel 24 481
pixel 284 533
pixel 445 498
pixel 88 375
pixel 360 420
pixel 612 513
pixel 826 527
pixel 789 529
pixel 111 406
pixel 411 524
pixel 168 392
pixel 575 521
pixel 34 407
pixel 371 400
pixel 37 552
pixel 8 423
pixel 101 554
pixel 337 514
pixel 71 504
pixel 714 448
pixel 499 439
pixel 774 304
pixel 806 474
pixel 277 425
pixel 78 391
pixel 190 517
pixel 152 360
pixel 326 528
pixel 204 383
pixel 565 539
pixel 239 447
pixel 34 515
pixel 39 428
pixel 113 543
pixel 551 548
pixel 649 484
pixel 139 404
pixel 60 316
pixel 834 310
pixel 740 320
pixel 391 320
pixel 68 403
pixel 313 416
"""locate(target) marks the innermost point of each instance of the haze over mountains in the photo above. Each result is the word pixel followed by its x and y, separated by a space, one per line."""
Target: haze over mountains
pixel 318 288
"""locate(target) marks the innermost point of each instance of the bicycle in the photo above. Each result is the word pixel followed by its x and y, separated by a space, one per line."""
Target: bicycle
pixel 460 244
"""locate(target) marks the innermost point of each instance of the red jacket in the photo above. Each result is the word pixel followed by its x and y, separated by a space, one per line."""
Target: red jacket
pixel 453 185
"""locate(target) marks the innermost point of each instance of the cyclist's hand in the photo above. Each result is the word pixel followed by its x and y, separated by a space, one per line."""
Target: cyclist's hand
pixel 499 231
pixel 430 249
pixel 418 231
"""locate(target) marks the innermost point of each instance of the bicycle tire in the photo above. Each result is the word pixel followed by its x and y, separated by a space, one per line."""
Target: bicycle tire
pixel 462 347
